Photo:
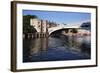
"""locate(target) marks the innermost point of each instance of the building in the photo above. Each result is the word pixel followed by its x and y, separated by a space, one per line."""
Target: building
pixel 39 25
pixel 51 24
pixel 36 23
pixel 44 26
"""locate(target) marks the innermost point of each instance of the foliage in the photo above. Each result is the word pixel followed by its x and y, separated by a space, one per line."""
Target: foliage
pixel 27 28
pixel 86 25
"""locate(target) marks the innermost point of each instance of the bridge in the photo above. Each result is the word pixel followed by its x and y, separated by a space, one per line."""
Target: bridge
pixel 61 28
pixel 53 29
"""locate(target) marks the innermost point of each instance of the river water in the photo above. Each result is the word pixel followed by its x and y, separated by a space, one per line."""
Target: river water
pixel 57 48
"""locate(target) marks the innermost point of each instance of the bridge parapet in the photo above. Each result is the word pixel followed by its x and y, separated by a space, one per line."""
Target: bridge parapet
pixel 53 29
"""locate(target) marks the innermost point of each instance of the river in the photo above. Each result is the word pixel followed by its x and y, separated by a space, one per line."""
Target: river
pixel 57 48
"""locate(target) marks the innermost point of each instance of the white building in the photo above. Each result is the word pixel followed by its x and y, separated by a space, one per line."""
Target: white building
pixel 36 23
pixel 44 26
pixel 39 25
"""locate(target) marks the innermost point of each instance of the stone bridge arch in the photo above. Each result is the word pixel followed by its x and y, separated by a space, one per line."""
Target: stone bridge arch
pixel 53 29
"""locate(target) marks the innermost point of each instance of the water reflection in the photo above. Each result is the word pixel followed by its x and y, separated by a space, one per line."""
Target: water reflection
pixel 33 47
pixel 79 43
pixel 56 48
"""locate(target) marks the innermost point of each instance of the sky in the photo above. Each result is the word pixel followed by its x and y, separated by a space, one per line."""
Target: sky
pixel 70 18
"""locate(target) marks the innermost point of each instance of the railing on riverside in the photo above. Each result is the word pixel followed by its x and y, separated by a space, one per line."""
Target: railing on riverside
pixel 34 35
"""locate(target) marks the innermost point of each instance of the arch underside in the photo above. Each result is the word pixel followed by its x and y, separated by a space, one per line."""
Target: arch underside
pixel 61 29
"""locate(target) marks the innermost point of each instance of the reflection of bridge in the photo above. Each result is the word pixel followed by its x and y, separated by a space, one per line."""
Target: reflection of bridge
pixel 53 29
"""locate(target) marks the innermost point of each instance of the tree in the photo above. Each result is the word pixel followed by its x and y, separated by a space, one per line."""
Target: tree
pixel 86 25
pixel 27 28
